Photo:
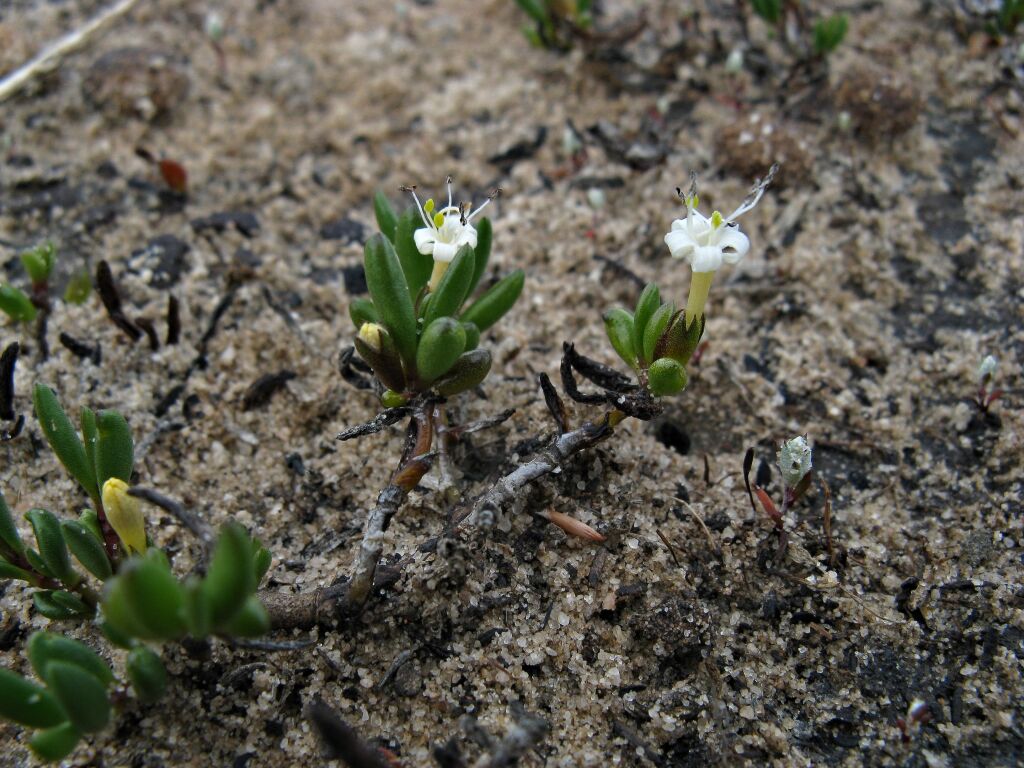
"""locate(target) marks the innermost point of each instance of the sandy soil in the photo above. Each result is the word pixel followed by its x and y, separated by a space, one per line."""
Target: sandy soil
pixel 883 268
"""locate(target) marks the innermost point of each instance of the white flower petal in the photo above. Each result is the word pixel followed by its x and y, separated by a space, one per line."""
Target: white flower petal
pixel 444 251
pixel 467 236
pixel 734 245
pixel 679 243
pixel 424 239
pixel 706 258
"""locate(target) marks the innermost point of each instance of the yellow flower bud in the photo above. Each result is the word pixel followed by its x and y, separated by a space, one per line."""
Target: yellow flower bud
pixel 369 334
pixel 124 513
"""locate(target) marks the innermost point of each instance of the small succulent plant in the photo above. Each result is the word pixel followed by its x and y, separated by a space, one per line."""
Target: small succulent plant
pixel 103 567
pixel 420 329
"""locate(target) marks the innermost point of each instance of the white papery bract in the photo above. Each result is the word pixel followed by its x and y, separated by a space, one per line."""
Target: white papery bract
pixel 795 460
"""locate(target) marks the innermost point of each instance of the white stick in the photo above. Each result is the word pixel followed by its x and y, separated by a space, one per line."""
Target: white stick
pixel 50 57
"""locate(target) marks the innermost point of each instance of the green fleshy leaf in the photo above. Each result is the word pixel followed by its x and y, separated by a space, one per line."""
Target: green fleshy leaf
pixel 87 549
pixel 8 530
pixel 81 695
pixel 147 674
pixel 390 294
pixel 472 336
pixel 261 560
pixel 78 289
pixel 646 306
pixel 387 220
pixel 28 704
pixel 16 305
pixel 251 621
pixel 90 438
pixel 440 346
pixel 666 377
pixel 45 647
pixel 46 606
pixel 91 520
pixel 362 311
pixel 198 611
pixel 115 450
pixel 468 372
pixel 52 548
pixel 230 578
pixel 391 399
pixel 769 10
pixel 656 327
pixel 37 563
pixel 63 439
pixel 55 743
pixel 453 287
pixel 482 252
pixel 534 10
pixel 829 33
pixel 497 301
pixel 10 571
pixel 416 266
pixel 146 600
pixel 70 602
pixel 618 325
pixel 39 262
pixel 116 637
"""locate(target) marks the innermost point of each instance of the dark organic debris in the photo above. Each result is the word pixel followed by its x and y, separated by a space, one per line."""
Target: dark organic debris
pixel 349 230
pixel 107 289
pixel 354 371
pixel 244 221
pixel 355 279
pixel 141 82
pixel 8 361
pixel 380 422
pixel 150 330
pixel 641 151
pixel 522 150
pixel 264 388
pixel 164 258
pixel 341 741
pixel 80 349
pixel 173 320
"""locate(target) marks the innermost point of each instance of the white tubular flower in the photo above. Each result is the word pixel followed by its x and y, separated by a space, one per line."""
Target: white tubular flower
pixel 708 242
pixel 444 232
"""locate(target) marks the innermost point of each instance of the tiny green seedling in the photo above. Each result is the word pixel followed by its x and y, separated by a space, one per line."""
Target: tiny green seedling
pixel 556 23
pixel 804 36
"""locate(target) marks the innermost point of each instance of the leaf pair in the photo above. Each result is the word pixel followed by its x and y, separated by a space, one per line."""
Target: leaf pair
pixel 146 601
pixel 108 450
pixel 16 304
pixel 73 702
pixel 654 338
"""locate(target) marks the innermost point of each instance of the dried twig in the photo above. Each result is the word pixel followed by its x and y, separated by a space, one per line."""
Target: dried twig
pixel 554 403
pixel 50 57
pixel 8 361
pixel 379 423
pixel 200 529
pixel 543 462
pixel 525 733
pixel 414 464
pixel 106 287
pixel 342 741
